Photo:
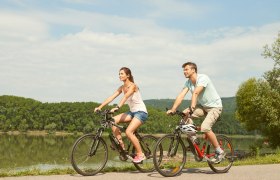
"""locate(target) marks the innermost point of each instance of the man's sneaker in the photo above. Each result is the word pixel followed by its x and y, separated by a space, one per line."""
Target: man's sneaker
pixel 219 156
pixel 138 159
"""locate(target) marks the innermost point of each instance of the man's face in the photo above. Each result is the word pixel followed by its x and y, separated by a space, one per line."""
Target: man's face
pixel 188 71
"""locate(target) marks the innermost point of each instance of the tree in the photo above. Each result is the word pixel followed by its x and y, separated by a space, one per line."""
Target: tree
pixel 257 100
pixel 273 76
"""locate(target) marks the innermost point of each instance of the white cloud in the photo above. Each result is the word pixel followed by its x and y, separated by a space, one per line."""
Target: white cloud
pixel 15 27
pixel 83 66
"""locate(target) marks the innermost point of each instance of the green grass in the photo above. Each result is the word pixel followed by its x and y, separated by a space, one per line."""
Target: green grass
pixel 267 159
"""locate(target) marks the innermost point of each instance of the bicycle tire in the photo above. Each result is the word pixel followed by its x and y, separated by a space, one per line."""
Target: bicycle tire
pixel 226 163
pixel 82 161
pixel 148 143
pixel 169 155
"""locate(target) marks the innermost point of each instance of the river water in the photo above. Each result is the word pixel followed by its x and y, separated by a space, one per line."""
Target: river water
pixel 22 152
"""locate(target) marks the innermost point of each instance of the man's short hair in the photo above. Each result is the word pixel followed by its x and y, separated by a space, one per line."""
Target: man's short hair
pixel 191 64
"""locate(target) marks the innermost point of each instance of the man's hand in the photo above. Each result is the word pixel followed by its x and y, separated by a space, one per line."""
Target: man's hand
pixel 97 109
pixel 170 112
pixel 188 111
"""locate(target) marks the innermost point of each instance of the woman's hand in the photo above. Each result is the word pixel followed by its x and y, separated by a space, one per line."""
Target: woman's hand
pixel 114 109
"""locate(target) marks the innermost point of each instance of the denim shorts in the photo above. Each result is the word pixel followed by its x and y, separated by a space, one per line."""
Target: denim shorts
pixel 141 115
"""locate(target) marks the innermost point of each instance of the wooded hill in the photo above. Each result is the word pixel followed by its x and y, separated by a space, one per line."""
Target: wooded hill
pixel 19 113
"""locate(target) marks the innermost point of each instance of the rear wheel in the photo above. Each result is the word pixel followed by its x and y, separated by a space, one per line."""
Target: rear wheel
pixel 169 155
pixel 227 162
pixel 147 143
pixel 89 155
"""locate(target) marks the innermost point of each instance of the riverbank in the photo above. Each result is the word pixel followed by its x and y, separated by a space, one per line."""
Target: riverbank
pixel 39 133
pixel 64 133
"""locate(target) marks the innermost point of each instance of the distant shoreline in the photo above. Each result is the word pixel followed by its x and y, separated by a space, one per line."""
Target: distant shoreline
pixel 37 133
pixel 63 133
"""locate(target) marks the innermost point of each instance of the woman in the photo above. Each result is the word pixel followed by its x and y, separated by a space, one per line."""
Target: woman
pixel 137 114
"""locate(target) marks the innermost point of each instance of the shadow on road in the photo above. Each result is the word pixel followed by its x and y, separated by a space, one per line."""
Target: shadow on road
pixel 188 171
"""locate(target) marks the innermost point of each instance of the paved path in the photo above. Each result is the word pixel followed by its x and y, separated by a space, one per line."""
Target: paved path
pixel 254 172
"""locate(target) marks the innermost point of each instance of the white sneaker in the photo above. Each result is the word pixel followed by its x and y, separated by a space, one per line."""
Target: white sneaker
pixel 219 156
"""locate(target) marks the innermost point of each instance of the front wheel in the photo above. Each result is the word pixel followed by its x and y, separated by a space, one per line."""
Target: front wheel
pixel 227 162
pixel 147 143
pixel 89 155
pixel 169 155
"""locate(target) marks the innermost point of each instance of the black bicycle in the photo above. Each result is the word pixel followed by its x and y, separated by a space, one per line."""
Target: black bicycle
pixel 170 152
pixel 89 154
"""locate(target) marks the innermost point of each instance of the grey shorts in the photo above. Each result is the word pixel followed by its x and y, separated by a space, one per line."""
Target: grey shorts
pixel 211 115
pixel 141 115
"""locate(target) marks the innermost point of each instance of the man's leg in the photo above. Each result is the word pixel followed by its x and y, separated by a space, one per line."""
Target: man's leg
pixel 212 138
pixel 212 115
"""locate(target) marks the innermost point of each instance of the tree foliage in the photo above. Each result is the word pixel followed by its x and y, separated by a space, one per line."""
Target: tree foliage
pixel 258 106
pixel 18 113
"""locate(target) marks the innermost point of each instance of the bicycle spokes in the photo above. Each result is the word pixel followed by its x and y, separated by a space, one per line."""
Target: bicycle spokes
pixel 227 161
pixel 147 143
pixel 89 156
pixel 169 155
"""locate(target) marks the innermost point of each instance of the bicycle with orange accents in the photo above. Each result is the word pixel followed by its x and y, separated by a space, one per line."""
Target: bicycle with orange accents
pixel 170 153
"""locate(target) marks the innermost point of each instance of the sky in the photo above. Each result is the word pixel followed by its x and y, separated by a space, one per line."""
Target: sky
pixel 72 50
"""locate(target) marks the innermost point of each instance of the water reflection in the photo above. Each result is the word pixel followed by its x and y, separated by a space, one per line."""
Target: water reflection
pixel 20 152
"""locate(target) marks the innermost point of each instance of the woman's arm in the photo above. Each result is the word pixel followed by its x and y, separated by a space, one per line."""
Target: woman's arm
pixel 109 99
pixel 130 91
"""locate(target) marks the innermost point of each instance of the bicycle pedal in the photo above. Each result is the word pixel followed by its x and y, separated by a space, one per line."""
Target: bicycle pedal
pixel 206 159
pixel 129 157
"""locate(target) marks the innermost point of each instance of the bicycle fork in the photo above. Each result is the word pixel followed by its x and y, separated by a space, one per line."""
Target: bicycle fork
pixel 95 142
pixel 172 150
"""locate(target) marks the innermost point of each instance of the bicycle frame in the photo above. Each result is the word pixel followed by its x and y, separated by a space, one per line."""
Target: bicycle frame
pixel 170 153
pixel 92 149
pixel 201 152
pixel 108 122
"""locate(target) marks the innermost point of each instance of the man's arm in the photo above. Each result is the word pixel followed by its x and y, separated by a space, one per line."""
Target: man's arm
pixel 178 100
pixel 195 94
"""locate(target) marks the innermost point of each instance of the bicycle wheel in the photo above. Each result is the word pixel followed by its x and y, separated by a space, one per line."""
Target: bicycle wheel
pixel 147 143
pixel 89 155
pixel 227 162
pixel 169 155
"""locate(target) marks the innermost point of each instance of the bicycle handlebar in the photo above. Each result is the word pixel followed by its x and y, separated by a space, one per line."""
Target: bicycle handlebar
pixel 108 121
pixel 105 112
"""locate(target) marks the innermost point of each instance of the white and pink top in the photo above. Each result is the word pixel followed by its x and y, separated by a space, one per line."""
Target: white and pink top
pixel 136 103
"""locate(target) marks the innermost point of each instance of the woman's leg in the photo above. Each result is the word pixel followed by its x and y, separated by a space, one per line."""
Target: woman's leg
pixel 116 131
pixel 132 127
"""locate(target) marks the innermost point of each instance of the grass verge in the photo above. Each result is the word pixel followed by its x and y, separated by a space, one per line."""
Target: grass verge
pixel 267 159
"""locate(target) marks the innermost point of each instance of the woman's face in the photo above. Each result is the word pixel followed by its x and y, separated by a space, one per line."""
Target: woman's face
pixel 122 75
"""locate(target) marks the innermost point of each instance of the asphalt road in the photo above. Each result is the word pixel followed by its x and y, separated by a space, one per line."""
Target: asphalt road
pixel 252 172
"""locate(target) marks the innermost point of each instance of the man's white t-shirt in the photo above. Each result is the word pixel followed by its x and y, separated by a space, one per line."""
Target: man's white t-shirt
pixel 209 96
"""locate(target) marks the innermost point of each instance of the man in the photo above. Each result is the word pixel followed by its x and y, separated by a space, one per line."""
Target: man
pixel 205 101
